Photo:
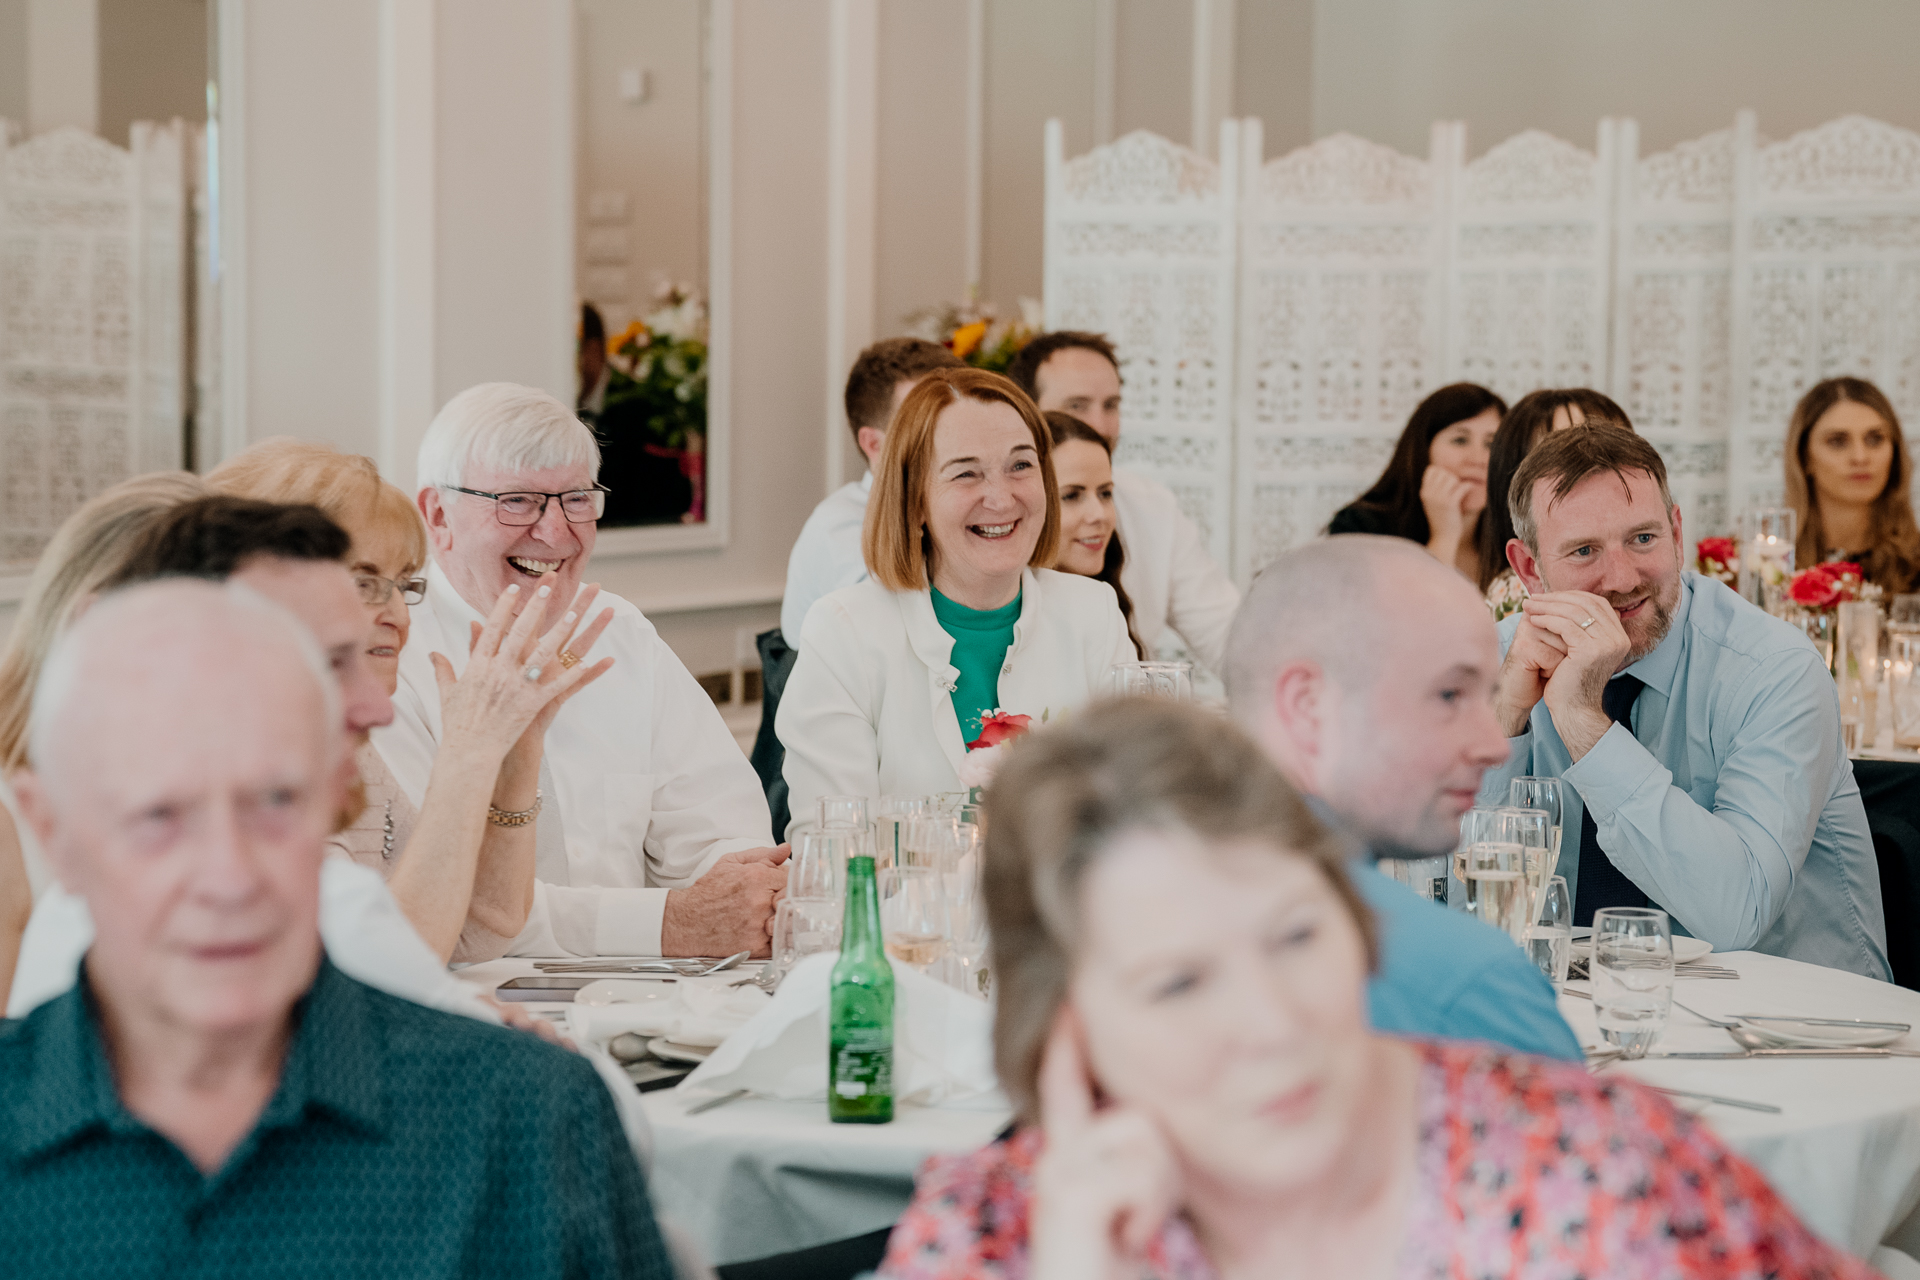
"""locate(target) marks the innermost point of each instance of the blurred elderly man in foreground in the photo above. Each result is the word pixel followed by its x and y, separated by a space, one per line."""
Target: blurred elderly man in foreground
pixel 1366 669
pixel 653 835
pixel 215 1096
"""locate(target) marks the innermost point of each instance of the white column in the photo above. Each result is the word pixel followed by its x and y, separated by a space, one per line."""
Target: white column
pixel 1212 71
pixel 63 65
pixel 407 211
pixel 853 48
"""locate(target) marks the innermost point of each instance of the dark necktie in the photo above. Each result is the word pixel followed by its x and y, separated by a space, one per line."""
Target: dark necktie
pixel 1602 884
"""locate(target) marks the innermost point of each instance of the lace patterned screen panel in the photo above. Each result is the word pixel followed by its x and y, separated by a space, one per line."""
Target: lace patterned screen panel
pixel 1340 327
pixel 1827 278
pixel 1528 292
pixel 91 314
pixel 1140 247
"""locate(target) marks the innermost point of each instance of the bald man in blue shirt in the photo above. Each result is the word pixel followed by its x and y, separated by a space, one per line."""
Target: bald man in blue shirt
pixel 1366 669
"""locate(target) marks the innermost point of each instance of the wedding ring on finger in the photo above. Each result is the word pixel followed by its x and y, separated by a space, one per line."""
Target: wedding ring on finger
pixel 532 673
pixel 569 659
pixel 1589 622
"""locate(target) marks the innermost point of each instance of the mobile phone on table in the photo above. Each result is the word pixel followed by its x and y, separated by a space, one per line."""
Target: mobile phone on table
pixel 550 987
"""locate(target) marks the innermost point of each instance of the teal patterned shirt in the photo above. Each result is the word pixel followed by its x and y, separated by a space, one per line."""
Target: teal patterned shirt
pixel 401 1142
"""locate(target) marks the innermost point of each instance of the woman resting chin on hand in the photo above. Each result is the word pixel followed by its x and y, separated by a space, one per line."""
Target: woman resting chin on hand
pixel 1181 968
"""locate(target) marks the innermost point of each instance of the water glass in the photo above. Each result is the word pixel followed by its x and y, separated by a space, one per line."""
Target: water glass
pixel 843 811
pixel 913 914
pixel 1151 679
pixel 1859 672
pixel 803 927
pixel 1549 796
pixel 819 859
pixel 890 817
pixel 967 922
pixel 1632 974
pixel 1491 865
pixel 1550 941
pixel 1904 688
pixel 1533 830
pixel 929 840
pixel 1903 614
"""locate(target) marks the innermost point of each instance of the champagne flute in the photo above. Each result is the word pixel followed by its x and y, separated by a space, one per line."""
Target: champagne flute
pixel 1549 796
pixel 890 818
pixel 1632 974
pixel 967 918
pixel 1529 828
pixel 913 914
pixel 1550 941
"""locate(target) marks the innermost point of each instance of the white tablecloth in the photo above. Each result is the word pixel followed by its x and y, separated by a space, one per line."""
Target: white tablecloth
pixel 756 1177
pixel 1845 1150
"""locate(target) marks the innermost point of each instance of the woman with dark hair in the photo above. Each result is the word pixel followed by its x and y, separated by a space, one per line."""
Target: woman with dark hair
pixel 1533 417
pixel 1089 532
pixel 1434 489
pixel 1847 476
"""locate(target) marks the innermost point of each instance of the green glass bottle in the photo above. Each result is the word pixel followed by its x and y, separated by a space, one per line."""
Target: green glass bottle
pixel 860 1021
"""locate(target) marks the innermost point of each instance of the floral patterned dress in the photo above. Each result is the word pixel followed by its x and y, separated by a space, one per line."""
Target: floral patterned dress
pixel 1527 1169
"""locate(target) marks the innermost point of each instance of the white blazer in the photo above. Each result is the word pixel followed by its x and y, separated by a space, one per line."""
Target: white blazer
pixel 868 710
pixel 1175 584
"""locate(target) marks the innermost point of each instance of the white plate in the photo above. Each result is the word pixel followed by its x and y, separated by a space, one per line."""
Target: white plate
pixel 670 1051
pixel 1685 950
pixel 1789 1035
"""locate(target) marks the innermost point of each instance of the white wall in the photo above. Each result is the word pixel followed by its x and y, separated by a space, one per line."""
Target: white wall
pixel 1384 69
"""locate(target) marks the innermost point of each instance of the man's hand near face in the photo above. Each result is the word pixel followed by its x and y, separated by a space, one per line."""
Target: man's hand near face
pixel 728 909
pixel 1531 660
pixel 1593 645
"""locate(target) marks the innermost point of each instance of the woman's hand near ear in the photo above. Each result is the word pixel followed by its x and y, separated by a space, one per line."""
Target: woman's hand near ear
pixel 1106 1180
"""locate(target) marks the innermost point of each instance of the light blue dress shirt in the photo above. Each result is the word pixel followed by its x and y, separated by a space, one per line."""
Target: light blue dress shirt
pixel 1445 975
pixel 1732 803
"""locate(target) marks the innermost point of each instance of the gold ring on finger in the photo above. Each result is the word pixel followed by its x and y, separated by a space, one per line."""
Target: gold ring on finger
pixel 569 659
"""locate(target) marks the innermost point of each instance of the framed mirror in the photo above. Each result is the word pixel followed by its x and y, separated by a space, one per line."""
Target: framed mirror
pixel 651 239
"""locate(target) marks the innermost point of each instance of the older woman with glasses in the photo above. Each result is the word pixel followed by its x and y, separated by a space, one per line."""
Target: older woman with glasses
pixel 1180 967
pixel 463 874
pixel 900 675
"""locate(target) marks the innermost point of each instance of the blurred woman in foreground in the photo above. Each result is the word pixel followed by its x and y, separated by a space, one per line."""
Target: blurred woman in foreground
pixel 1180 967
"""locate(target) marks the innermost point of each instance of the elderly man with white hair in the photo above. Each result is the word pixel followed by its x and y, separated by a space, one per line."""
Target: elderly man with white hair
pixel 653 834
pixel 215 1096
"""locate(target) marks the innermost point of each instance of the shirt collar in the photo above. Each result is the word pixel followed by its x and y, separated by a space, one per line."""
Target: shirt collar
pixel 1659 669
pixel 333 1065
pixel 866 482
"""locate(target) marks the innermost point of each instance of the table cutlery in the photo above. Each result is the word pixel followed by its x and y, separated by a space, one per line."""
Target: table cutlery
pixel 720 1101
pixel 1714 1097
pixel 1822 1022
pixel 694 968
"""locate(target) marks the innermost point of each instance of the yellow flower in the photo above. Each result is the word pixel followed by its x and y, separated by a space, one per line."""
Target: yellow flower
pixel 632 333
pixel 967 337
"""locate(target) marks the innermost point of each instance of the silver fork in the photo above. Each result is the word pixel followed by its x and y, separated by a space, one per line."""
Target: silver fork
pixel 684 968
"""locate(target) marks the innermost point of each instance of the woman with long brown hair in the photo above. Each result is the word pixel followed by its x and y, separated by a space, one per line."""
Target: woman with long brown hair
pixel 1089 528
pixel 1434 490
pixel 1847 475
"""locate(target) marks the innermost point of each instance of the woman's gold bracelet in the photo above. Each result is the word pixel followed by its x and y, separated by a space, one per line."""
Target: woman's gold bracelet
pixel 502 818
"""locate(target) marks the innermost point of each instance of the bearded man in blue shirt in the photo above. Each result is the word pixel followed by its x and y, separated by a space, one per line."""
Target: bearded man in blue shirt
pixel 1366 670
pixel 1699 737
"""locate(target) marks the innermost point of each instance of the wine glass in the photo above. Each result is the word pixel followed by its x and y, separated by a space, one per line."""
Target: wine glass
pixel 967 917
pixel 1550 940
pixel 1530 830
pixel 1632 973
pixel 801 927
pixel 819 856
pixel 1549 796
pixel 913 914
pixel 890 817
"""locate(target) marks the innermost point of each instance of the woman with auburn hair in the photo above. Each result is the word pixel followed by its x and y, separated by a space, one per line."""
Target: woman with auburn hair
pixel 465 882
pixel 1180 977
pixel 1847 476
pixel 900 676
pixel 1434 490
pixel 1089 528
pixel 86 551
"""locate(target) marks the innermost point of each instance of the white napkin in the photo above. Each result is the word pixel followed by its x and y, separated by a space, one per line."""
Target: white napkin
pixel 697 1013
pixel 942 1044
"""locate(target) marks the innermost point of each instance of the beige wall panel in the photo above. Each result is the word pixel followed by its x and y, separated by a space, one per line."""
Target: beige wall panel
pixel 921 237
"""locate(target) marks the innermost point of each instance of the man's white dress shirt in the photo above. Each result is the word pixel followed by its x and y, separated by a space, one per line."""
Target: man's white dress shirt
pixel 1174 584
pixel 826 556
pixel 644 786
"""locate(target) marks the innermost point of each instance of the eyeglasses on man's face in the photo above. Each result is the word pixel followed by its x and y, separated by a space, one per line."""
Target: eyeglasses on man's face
pixel 579 506
pixel 376 590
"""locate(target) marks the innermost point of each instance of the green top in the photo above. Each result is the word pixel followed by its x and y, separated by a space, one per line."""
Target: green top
pixel 981 638
pixel 400 1140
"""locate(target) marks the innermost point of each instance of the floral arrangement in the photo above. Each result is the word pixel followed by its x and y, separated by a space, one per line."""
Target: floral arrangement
pixel 1719 559
pixel 1825 587
pixel 1505 594
pixel 997 728
pixel 970 330
pixel 660 362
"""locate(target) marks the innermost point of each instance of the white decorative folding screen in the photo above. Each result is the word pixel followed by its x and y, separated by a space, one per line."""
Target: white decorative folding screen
pixel 93 376
pixel 1705 288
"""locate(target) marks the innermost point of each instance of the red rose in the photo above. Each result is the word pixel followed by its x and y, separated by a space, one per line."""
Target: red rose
pixel 1825 585
pixel 997 727
pixel 1718 551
